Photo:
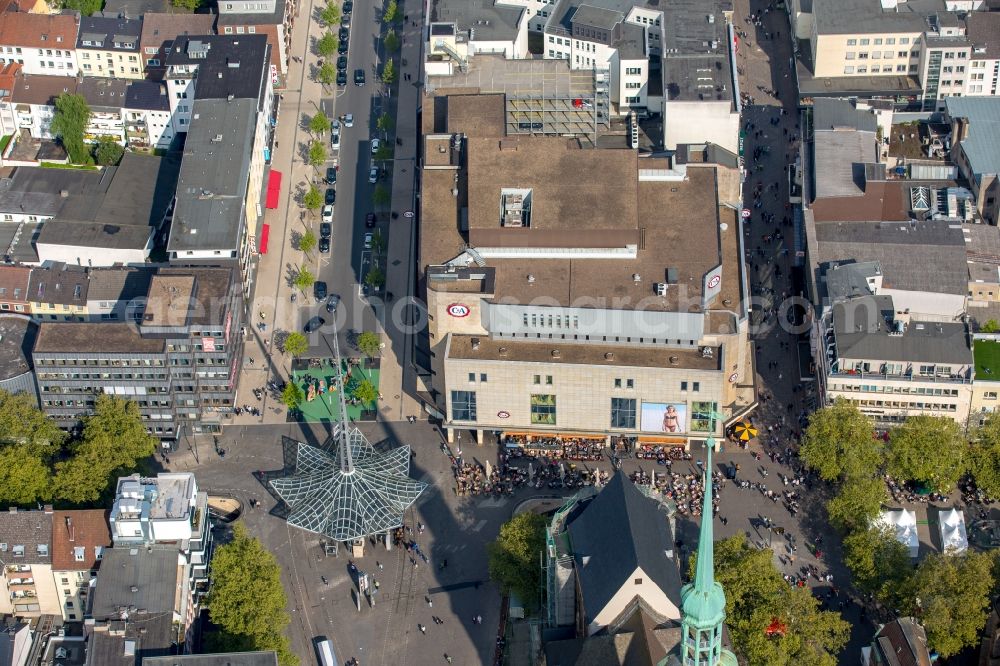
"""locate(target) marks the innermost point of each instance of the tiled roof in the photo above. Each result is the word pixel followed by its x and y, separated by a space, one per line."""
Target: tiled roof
pixel 25 537
pixel 78 534
pixel 54 31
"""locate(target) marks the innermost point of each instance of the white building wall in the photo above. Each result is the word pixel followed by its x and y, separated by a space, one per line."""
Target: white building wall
pixel 59 61
pixel 646 590
pixel 180 92
pixel 92 256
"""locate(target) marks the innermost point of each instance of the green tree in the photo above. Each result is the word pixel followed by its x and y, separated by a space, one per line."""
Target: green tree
pixel 330 14
pixel 375 278
pixel 107 151
pixel 25 475
pixel 319 124
pixel 69 122
pixel 950 594
pixel 391 13
pixel 928 450
pixel 384 122
pixel 296 344
pixel 840 443
pixel 246 598
pixel 857 503
pixel 369 344
pixel 326 45
pixel 984 456
pixel 381 196
pixel 307 241
pixel 879 563
pixel 990 326
pixel 378 242
pixel 317 153
pixel 312 199
pixel 757 596
pixel 391 41
pixel 292 395
pixel 113 443
pixel 388 72
pixel 189 5
pixel 304 279
pixel 326 74
pixel 514 556
pixel 365 391
pixel 383 154
pixel 85 7
pixel 21 422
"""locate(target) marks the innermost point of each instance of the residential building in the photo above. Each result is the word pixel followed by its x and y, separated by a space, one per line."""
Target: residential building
pixel 14 289
pixel 69 650
pixel 105 97
pixel 983 31
pixel 78 541
pixel 109 46
pixel 117 294
pixel 59 293
pixel 569 305
pixel 271 18
pixel 159 29
pixel 975 148
pixel 17 335
pixel 218 205
pixel 902 641
pixel 8 118
pixel 40 43
pixel 136 610
pixel 179 363
pixel 146 111
pixel 33 101
pixel 167 510
pixel 26 557
pixel 15 643
pixel 219 67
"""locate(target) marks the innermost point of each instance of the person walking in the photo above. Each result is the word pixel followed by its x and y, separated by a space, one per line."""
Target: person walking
pixel 422 629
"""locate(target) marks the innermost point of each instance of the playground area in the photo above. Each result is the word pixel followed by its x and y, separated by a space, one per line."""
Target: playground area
pixel 318 381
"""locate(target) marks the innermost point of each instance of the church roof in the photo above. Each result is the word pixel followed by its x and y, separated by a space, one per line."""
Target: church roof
pixel 617 532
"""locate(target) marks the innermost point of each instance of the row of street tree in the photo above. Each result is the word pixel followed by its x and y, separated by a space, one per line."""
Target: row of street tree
pixel 948 592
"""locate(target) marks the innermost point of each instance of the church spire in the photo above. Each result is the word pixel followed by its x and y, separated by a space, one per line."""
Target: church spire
pixel 704 578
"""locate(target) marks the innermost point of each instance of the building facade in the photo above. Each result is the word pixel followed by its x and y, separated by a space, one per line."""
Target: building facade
pixel 40 43
pixel 109 47
pixel 26 557
pixel 78 541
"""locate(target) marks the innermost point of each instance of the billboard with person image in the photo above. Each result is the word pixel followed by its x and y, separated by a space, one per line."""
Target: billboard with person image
pixel 663 417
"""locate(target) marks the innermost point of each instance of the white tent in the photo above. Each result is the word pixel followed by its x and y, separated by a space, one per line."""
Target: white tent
pixel 905 525
pixel 953 533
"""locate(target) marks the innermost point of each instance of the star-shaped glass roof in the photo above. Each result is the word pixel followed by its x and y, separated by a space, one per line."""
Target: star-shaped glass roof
pixel 351 492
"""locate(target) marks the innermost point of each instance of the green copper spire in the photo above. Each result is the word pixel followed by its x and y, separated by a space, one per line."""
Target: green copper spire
pixel 703 602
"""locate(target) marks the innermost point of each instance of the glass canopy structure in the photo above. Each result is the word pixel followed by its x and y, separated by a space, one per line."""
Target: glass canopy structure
pixel 350 493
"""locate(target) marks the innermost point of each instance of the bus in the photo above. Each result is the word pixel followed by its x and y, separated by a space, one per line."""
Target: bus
pixel 324 652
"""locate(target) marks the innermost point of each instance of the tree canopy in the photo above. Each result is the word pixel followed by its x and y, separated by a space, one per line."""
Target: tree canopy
pixel 312 199
pixel 375 278
pixel 928 450
pixel 69 122
pixel 388 72
pixel 326 45
pixel 296 344
pixel 950 594
pixel 107 151
pixel 857 503
pixel 879 563
pixel 113 443
pixel 319 124
pixel 189 5
pixel 330 14
pixel 984 456
pixel 85 7
pixel 381 195
pixel 292 395
pixel 365 391
pixel 22 422
pixel 246 598
pixel 317 153
pixel 384 122
pixel 369 344
pixel 326 74
pixel 391 13
pixel 840 443
pixel 513 557
pixel 757 595
pixel 307 241
pixel 304 278
pixel 391 41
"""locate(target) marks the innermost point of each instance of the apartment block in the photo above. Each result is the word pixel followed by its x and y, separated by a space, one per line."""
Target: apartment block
pixel 79 539
pixel 975 149
pixel 159 30
pixel 146 112
pixel 40 43
pixel 26 557
pixel 109 47
pixel 272 18
pixel 179 363
pixel 567 305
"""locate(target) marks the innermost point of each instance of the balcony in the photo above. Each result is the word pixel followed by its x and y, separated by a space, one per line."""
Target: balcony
pixel 23 594
pixel 908 377
pixel 16 568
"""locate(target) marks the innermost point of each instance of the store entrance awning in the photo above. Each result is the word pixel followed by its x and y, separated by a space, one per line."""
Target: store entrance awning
pixel 670 441
pixel 265 232
pixel 273 188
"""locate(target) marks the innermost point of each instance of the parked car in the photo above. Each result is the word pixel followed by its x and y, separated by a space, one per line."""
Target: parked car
pixel 342 64
pixel 348 6
pixel 332 303
pixel 341 79
pixel 342 47
pixel 327 216
pixel 324 230
pixel 368 240
pixel 319 290
pixel 324 245
pixel 331 196
pixel 314 323
pixel 376 144
pixel 331 175
pixel 348 120
pixel 345 33
pixel 370 220
pixel 359 77
pixel 373 175
pixel 335 139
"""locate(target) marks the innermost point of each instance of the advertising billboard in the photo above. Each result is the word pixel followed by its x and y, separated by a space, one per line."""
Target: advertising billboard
pixel 663 417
